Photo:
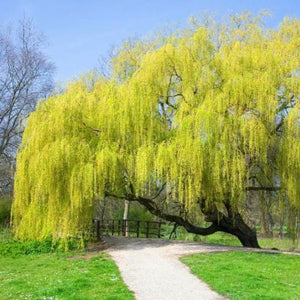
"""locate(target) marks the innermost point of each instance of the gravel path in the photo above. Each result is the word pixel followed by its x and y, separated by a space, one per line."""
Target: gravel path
pixel 150 268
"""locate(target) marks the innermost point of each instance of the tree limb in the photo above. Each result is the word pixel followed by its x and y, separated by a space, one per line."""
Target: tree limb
pixel 263 188
pixel 153 209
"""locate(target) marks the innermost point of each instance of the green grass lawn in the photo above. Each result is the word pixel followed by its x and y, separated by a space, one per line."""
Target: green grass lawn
pixel 242 275
pixel 53 276
pixel 33 270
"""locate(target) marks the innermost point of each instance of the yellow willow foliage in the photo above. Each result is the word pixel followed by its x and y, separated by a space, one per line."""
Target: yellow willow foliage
pixel 199 110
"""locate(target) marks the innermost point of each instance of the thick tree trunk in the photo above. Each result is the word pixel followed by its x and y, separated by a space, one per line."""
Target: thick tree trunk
pixel 236 226
pixel 232 223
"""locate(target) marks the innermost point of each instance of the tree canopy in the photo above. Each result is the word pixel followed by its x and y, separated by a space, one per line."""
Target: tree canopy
pixel 202 115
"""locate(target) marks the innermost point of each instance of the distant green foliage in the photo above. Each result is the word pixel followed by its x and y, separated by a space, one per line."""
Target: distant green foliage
pixel 53 276
pixel 5 205
pixel 136 212
pixel 6 234
pixel 248 276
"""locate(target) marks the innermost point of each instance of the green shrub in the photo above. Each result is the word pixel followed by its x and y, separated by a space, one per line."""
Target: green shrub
pixel 15 248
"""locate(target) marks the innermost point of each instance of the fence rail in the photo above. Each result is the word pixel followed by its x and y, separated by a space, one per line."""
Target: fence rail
pixel 135 228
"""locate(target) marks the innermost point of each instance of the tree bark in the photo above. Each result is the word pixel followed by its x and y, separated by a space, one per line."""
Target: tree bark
pixel 125 218
pixel 236 226
pixel 232 222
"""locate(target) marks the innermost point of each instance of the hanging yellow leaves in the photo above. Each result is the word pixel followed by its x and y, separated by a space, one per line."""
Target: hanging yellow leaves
pixel 200 110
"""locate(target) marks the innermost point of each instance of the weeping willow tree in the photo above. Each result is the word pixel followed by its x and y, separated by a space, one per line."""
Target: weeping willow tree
pixel 199 117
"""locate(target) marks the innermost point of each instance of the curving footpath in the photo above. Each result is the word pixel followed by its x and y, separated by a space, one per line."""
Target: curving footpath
pixel 150 268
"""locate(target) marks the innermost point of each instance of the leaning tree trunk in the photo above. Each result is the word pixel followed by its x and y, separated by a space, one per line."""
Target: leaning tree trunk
pixel 231 222
pixel 236 226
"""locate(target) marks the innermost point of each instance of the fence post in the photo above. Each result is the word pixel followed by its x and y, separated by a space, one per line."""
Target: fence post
pixel 113 227
pixel 137 228
pixel 147 229
pixel 159 228
pixel 98 230
pixel 119 227
pixel 123 227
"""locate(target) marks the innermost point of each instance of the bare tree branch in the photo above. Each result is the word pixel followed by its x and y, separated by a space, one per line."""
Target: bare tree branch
pixel 25 77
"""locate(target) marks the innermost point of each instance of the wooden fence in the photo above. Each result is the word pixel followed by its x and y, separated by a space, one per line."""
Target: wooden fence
pixel 135 228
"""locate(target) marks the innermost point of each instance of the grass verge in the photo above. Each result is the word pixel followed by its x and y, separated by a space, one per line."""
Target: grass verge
pixel 244 275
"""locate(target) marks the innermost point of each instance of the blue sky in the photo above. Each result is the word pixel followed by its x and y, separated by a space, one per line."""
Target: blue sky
pixel 80 32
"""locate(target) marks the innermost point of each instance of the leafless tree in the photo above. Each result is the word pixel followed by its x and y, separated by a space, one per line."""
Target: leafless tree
pixel 25 77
